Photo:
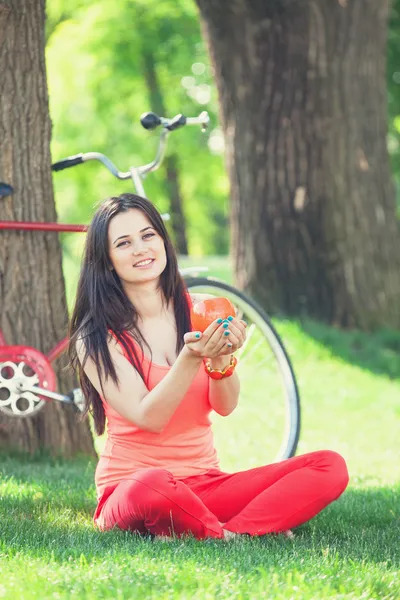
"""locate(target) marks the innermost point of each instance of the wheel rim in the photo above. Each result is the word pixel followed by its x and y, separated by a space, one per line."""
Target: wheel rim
pixel 268 401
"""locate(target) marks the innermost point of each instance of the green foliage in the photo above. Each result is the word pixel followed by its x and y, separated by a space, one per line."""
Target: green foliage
pixel 98 90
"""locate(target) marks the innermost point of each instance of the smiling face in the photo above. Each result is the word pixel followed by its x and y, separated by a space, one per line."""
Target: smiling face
pixel 136 250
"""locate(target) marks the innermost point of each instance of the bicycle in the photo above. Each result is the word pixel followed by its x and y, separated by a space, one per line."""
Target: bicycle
pixel 27 378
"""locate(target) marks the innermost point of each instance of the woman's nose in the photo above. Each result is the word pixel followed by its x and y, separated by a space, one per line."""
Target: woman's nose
pixel 139 249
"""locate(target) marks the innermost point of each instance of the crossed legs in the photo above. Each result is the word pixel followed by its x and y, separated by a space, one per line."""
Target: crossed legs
pixel 269 499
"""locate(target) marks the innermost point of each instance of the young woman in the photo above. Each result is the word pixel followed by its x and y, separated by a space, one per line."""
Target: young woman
pixel 155 382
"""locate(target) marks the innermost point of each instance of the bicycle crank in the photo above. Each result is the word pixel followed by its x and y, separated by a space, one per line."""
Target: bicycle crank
pixel 14 399
pixel 74 397
pixel 27 381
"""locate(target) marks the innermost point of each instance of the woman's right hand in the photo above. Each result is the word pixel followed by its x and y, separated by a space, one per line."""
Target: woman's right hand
pixel 211 343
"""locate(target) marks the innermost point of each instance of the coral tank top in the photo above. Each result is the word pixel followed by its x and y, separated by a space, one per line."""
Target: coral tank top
pixel 185 447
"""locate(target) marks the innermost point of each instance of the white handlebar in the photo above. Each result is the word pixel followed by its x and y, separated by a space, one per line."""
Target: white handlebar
pixel 202 119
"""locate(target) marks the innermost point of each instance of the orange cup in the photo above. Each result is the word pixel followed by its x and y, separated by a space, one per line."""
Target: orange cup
pixel 203 313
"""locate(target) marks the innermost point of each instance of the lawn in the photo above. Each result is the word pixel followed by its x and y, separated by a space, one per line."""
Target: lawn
pixel 350 390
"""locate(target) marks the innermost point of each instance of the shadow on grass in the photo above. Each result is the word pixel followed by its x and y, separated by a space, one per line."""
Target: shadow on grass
pixel 42 480
pixel 378 352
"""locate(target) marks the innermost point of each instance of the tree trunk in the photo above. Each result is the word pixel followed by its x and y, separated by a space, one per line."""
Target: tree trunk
pixel 175 198
pixel 33 308
pixel 303 106
pixel 171 162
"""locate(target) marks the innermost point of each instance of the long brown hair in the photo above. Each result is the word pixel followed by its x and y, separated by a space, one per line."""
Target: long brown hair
pixel 101 304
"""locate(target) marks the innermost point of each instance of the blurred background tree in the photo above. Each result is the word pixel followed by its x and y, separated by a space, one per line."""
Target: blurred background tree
pixel 304 107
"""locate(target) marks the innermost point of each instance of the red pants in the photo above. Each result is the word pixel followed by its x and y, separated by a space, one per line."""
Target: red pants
pixel 263 500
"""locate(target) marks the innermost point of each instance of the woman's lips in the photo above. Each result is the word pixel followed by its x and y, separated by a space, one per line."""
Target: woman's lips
pixel 144 266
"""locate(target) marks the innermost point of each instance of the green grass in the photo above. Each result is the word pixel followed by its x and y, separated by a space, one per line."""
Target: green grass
pixel 350 388
pixel 49 548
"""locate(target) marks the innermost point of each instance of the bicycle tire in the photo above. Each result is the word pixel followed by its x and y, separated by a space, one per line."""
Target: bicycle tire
pixel 250 309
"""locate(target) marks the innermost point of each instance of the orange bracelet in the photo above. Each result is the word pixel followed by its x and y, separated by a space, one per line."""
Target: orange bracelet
pixel 218 373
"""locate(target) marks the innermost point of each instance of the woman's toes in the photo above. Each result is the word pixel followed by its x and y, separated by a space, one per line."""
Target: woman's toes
pixel 229 535
pixel 163 538
pixel 289 534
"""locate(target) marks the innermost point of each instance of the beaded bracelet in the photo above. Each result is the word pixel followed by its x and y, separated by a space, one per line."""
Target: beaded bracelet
pixel 218 373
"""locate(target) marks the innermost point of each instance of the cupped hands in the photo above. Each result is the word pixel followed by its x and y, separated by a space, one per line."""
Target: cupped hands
pixel 221 338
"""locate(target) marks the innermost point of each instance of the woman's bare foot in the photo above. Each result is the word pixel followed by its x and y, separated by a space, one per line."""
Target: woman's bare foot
pixel 229 535
pixel 289 534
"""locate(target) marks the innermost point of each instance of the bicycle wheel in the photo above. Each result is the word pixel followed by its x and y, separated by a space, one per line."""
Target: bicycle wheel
pixel 265 427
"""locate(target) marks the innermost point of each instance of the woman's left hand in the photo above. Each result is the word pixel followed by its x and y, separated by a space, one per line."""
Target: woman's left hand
pixel 236 337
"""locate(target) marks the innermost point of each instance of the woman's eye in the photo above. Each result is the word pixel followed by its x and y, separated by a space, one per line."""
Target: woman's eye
pixel 146 236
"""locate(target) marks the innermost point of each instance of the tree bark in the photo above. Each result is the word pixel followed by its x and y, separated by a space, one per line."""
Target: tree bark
pixel 178 221
pixel 303 106
pixel 33 308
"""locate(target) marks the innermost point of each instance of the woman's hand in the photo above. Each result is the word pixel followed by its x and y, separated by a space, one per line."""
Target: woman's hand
pixel 221 338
